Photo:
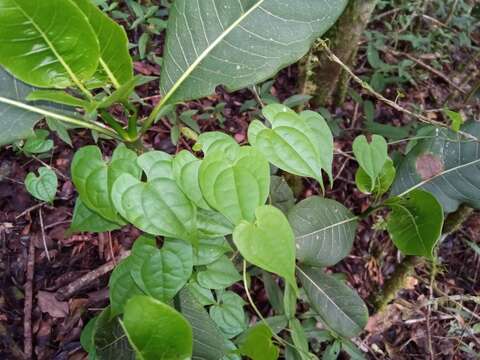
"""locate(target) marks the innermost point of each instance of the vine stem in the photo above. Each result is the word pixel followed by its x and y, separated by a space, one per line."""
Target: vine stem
pixel 382 98
pixel 93 125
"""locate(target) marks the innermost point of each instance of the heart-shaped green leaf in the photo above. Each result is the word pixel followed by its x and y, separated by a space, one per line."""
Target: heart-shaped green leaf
pixel 415 223
pixel 43 187
pixel 156 330
pixel 157 207
pixel 186 170
pixel 86 220
pixel 94 178
pixel 382 184
pixel 268 243
pixel 301 144
pixel 47 52
pixel 229 315
pixel 215 140
pixel 371 156
pixel 122 286
pixel 257 344
pixel 156 164
pixel 219 274
pixel 168 270
pixel 115 61
pixel 235 187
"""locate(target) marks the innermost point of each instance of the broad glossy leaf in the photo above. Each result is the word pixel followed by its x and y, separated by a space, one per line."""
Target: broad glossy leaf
pixel 212 224
pixel 235 188
pixel 301 144
pixel 44 186
pixel 219 274
pixel 324 231
pixel 156 164
pixel 157 207
pixel 156 330
pixel 212 141
pixel 229 315
pixel 47 43
pixel 143 249
pixel 446 165
pixel 94 178
pixel 371 156
pixel 415 223
pixel 168 270
pixel 382 183
pixel 87 338
pixel 268 243
pixel 186 171
pixel 208 341
pixel 207 39
pixel 210 250
pixel 115 61
pixel 15 123
pixel 86 220
pixel 109 338
pixel 257 344
pixel 122 286
pixel 339 307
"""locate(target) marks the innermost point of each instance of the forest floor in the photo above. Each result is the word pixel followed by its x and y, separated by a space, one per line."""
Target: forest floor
pixel 440 314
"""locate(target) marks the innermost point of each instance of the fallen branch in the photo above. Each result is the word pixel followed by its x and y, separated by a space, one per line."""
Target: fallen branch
pixel 71 289
pixel 28 304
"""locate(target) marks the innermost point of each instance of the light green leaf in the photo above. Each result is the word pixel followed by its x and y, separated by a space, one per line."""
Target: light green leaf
pixel 456 118
pixel 59 97
pixel 212 141
pixel 94 178
pixel 156 330
pixel 15 123
pixel 324 230
pixel 212 224
pixel 186 171
pixel 290 302
pixel 86 220
pixel 210 250
pixel 228 314
pixel 47 43
pixel 38 143
pixel 143 249
pixel 168 270
pixel 115 61
pixel 235 188
pixel 415 223
pixel 157 207
pixel 43 187
pixel 209 342
pixel 87 337
pixel 122 287
pixel 219 274
pixel 257 344
pixel 202 295
pixel 205 41
pixel 339 307
pixel 301 144
pixel 371 156
pixel 268 243
pixel 156 164
pixel 445 164
pixel 382 184
pixel 109 338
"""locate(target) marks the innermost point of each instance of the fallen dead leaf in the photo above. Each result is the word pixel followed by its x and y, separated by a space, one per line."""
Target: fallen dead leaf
pixel 50 305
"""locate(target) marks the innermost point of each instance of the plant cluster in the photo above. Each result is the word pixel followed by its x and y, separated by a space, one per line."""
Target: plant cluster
pixel 223 207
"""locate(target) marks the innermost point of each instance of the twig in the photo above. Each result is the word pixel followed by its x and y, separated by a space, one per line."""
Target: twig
pixel 44 240
pixel 71 289
pixel 382 98
pixel 26 211
pixel 27 310
pixel 429 68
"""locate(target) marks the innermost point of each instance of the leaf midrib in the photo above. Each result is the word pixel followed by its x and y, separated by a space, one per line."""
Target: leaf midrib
pixel 53 49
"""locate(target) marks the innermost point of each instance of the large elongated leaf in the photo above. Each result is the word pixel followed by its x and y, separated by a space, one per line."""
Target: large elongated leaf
pixel 340 308
pixel 237 43
pixel 324 231
pixel 115 61
pixel 47 43
pixel 208 341
pixel 446 165
pixel 15 123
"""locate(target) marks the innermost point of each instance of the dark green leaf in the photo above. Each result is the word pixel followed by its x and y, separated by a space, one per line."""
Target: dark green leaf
pixel 228 314
pixel 86 220
pixel 219 275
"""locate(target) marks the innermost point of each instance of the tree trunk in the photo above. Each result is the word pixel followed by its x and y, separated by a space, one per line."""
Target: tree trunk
pixel 324 79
